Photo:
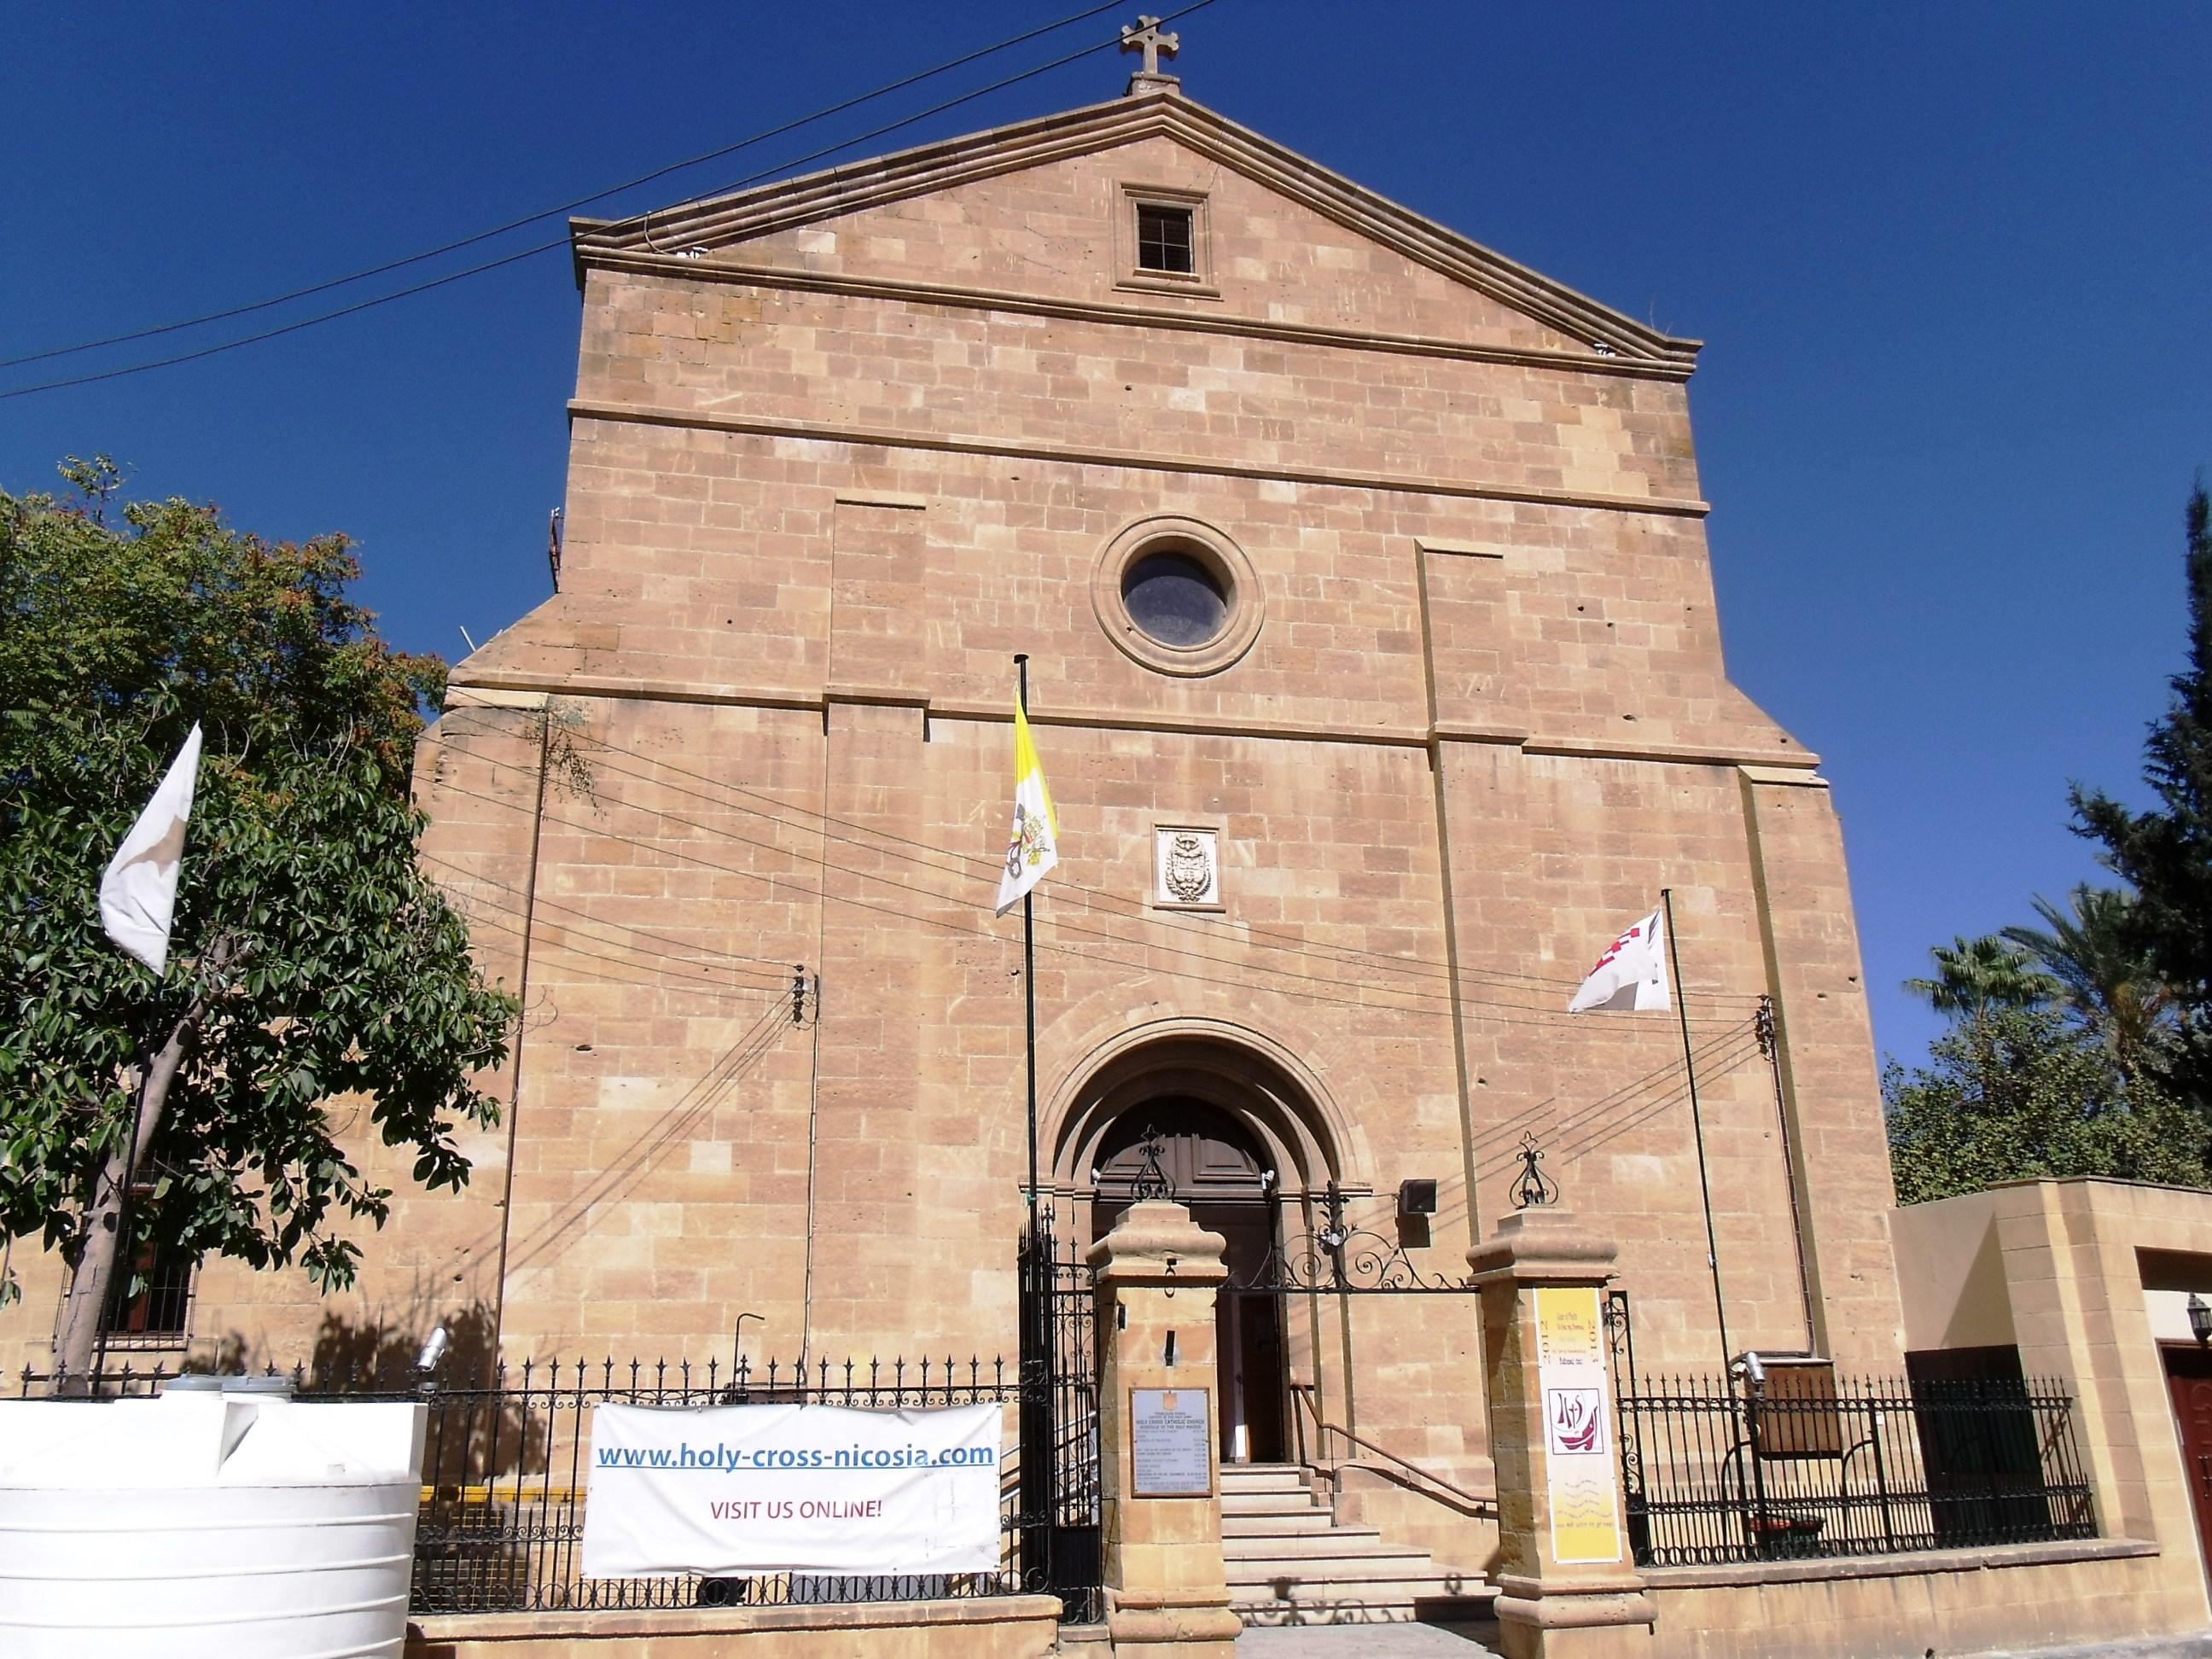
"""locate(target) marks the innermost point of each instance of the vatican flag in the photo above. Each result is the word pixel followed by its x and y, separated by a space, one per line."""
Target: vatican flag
pixel 1631 975
pixel 138 894
pixel 1034 846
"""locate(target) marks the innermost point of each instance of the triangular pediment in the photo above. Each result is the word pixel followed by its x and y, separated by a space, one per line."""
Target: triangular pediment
pixel 1021 209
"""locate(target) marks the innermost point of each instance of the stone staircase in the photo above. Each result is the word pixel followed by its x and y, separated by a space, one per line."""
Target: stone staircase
pixel 1289 1564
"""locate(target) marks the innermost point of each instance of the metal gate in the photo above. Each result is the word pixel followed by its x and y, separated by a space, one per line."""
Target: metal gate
pixel 1333 1262
pixel 1060 1425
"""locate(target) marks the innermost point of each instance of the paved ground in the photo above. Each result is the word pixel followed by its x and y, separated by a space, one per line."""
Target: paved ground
pixel 1465 1641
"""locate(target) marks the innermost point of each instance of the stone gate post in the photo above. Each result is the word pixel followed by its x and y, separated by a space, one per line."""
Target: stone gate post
pixel 1158 1434
pixel 1568 1587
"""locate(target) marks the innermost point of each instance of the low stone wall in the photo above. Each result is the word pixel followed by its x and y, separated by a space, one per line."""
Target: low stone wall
pixel 990 1627
pixel 1943 1601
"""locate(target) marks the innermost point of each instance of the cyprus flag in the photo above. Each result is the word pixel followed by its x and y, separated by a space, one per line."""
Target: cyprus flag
pixel 1033 847
pixel 138 894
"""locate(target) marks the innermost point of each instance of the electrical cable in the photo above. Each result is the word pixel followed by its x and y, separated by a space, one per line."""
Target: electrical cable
pixel 780 971
pixel 1401 965
pixel 1496 1014
pixel 638 1156
pixel 967 864
pixel 664 983
pixel 1545 1017
pixel 390 265
pixel 545 248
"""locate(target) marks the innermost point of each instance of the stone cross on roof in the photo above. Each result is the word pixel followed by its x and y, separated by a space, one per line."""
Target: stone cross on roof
pixel 1144 36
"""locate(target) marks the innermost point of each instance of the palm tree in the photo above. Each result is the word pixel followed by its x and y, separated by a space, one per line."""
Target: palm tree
pixel 1976 977
pixel 2104 980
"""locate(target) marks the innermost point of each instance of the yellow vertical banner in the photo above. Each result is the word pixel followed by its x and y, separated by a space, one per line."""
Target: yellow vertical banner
pixel 1579 1462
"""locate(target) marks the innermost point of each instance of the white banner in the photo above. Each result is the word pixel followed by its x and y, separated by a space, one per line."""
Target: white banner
pixel 732 1490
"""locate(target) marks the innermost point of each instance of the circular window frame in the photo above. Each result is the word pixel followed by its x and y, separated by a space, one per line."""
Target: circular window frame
pixel 1225 561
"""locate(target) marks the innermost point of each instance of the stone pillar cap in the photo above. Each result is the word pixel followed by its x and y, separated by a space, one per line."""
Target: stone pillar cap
pixel 1553 1247
pixel 1155 1241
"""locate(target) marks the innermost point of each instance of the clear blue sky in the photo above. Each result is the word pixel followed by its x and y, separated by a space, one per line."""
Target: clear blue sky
pixel 1953 264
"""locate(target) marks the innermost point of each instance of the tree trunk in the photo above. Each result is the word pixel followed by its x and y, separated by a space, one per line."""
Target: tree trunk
pixel 97 1255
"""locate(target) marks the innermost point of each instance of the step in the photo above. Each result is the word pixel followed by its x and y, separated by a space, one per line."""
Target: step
pixel 1349 1566
pixel 1272 1477
pixel 1349 1541
pixel 1266 1503
pixel 1398 1568
pixel 1370 1604
pixel 1473 1596
pixel 1236 1524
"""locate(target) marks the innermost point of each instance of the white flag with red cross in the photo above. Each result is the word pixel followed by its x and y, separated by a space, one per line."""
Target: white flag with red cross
pixel 1631 976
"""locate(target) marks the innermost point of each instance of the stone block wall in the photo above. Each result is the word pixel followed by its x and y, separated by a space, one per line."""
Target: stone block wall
pixel 835 459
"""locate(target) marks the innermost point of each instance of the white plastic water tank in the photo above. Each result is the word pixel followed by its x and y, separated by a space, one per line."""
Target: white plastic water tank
pixel 223 1523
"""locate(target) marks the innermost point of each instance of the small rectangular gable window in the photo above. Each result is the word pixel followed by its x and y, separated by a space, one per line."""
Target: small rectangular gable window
pixel 1163 238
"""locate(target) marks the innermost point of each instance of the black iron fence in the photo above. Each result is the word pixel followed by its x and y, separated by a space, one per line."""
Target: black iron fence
pixel 1811 1464
pixel 503 1473
pixel 504 1479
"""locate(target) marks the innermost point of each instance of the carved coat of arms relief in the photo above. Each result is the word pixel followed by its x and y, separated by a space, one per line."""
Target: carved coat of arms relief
pixel 1187 868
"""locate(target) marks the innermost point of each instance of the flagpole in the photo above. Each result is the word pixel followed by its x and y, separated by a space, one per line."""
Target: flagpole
pixel 1697 1128
pixel 1029 979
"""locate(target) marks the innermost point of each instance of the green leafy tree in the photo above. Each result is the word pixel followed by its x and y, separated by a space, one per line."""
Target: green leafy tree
pixel 2092 951
pixel 2026 1094
pixel 311 960
pixel 2164 853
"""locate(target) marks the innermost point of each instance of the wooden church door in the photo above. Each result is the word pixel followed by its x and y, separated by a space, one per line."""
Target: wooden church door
pixel 1215 1166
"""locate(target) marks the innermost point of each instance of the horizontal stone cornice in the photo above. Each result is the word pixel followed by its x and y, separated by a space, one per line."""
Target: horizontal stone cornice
pixel 522 689
pixel 1131 459
pixel 676 265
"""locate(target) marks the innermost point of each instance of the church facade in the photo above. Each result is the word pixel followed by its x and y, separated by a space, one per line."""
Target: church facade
pixel 1375 669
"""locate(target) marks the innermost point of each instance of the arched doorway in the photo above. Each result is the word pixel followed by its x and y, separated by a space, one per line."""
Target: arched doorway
pixel 1218 1167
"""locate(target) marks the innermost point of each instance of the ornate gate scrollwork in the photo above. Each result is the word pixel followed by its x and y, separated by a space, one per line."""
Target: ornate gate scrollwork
pixel 1336 1257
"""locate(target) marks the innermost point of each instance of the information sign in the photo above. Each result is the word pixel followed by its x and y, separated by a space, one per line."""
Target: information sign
pixel 1170 1443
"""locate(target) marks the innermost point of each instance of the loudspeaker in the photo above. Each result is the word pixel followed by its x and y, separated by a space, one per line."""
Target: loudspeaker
pixel 1416 1197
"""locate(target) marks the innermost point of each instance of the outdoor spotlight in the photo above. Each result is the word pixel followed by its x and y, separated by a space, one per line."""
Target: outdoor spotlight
pixel 2200 1318
pixel 433 1350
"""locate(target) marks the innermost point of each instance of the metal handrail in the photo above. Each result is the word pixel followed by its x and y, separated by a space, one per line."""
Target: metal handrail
pixel 1473 1500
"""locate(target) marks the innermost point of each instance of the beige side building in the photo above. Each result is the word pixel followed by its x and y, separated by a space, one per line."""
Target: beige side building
pixel 1375 668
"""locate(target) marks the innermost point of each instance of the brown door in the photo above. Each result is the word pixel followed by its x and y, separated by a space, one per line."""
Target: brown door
pixel 2188 1379
pixel 1214 1165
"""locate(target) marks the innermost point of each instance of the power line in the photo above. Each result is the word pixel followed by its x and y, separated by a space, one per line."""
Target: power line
pixel 544 903
pixel 966 866
pixel 545 247
pixel 910 915
pixel 1497 1014
pixel 662 983
pixel 724 1068
pixel 1449 992
pixel 389 266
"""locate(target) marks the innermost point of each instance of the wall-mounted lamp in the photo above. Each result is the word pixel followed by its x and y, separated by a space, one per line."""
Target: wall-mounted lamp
pixel 1416 1197
pixel 427 1361
pixel 2200 1319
